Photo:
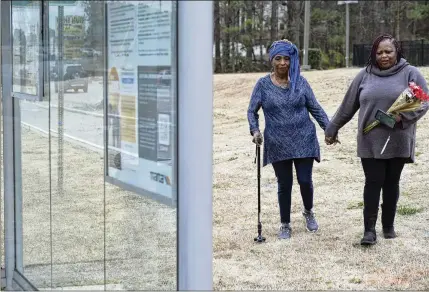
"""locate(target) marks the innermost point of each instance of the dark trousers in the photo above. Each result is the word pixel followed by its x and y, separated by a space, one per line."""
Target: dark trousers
pixel 381 174
pixel 284 173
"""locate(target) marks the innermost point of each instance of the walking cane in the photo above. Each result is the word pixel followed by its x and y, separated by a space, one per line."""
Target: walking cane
pixel 259 238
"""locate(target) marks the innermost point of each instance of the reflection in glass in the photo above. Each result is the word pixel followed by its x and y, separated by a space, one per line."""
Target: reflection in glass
pixel 77 155
pixel 35 189
pixel 83 229
pixel 32 157
pixel 26 46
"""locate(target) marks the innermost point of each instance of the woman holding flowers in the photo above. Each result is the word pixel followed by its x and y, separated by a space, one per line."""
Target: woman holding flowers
pixel 287 99
pixel 383 150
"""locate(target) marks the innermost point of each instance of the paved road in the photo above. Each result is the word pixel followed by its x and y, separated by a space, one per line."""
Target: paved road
pixel 86 127
pixel 82 100
pixel 76 124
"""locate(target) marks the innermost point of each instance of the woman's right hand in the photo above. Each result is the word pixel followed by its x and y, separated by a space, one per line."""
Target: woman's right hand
pixel 257 138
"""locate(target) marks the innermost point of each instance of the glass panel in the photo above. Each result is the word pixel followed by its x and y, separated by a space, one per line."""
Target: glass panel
pixel 77 155
pixel 35 177
pixel 26 46
pixel 2 257
pixel 1 167
pixel 32 176
pixel 141 186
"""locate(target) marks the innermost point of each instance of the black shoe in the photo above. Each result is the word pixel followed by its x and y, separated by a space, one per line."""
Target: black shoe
pixel 369 219
pixel 388 221
pixel 389 232
pixel 369 238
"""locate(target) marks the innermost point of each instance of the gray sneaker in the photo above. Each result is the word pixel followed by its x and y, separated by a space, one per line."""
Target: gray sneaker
pixel 285 231
pixel 310 221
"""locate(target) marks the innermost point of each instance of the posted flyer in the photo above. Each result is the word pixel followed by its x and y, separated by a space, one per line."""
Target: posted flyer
pixel 141 98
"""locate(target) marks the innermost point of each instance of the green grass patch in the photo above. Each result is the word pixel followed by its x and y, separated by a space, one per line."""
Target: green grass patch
pixel 355 205
pixel 355 280
pixel 409 210
pixel 405 194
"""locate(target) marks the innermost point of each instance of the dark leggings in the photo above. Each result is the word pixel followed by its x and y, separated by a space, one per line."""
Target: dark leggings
pixel 382 174
pixel 284 173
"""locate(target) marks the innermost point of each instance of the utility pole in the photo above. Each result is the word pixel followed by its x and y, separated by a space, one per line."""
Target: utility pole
pixel 60 81
pixel 347 34
pixel 347 2
pixel 307 12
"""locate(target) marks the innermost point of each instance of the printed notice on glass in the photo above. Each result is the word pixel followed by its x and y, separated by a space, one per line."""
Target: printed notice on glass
pixel 140 96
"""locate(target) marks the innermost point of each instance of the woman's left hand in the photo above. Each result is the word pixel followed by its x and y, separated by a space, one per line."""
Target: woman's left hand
pixel 332 140
pixel 398 118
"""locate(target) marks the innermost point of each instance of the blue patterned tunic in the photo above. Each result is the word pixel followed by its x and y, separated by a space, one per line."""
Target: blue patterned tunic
pixel 289 132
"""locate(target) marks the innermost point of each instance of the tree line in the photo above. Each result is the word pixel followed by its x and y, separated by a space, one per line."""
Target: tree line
pixel 244 29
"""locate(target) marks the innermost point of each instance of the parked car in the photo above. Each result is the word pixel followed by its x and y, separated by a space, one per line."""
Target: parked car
pixel 75 78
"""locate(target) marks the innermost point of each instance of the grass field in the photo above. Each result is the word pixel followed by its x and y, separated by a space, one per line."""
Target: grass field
pixel 331 258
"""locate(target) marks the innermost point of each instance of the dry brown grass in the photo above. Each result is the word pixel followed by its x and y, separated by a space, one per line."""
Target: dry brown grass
pixel 140 234
pixel 331 258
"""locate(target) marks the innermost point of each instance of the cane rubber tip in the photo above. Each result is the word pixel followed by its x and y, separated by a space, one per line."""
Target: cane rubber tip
pixel 259 239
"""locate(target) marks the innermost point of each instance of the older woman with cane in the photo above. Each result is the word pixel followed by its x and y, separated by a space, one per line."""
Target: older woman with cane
pixel 289 137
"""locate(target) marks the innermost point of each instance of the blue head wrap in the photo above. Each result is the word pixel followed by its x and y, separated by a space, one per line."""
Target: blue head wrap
pixel 286 49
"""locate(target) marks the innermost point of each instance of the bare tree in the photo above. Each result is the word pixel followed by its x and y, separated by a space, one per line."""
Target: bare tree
pixel 250 11
pixel 226 44
pixel 218 60
pixel 274 20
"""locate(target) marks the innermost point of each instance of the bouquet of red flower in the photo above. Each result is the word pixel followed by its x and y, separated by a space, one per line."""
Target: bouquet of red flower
pixel 409 100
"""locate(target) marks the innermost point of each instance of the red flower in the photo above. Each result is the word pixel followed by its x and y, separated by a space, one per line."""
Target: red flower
pixel 418 92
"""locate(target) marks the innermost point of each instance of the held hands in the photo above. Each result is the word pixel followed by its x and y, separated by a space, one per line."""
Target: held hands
pixel 332 140
pixel 257 138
